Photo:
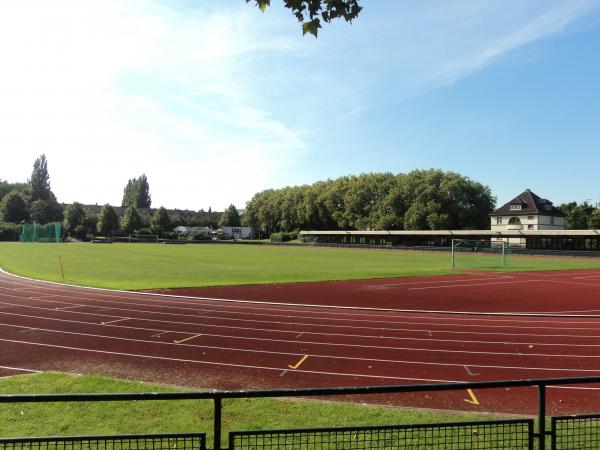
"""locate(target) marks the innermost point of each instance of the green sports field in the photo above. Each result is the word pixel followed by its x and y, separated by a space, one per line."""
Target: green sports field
pixel 148 266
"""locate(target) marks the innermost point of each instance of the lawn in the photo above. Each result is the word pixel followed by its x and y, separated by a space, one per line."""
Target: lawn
pixel 69 418
pixel 148 266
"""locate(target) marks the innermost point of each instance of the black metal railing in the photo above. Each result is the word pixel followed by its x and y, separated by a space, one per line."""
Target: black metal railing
pixel 565 432
pixel 183 441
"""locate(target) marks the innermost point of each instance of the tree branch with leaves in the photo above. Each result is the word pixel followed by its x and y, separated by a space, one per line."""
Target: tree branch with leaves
pixel 310 13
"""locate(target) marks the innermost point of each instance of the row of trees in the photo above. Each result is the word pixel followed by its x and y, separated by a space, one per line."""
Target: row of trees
pixel 78 223
pixel 580 216
pixel 419 200
pixel 34 201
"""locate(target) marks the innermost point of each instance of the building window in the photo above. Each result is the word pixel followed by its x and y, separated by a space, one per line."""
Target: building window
pixel 515 207
pixel 530 227
pixel 498 220
pixel 529 217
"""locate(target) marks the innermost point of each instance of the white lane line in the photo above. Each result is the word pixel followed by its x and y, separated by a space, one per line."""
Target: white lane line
pixel 284 304
pixel 27 330
pixel 469 371
pixel 367 336
pixel 211 363
pixel 465 280
pixel 316 325
pixel 69 307
pixel 333 344
pixel 162 301
pixel 594 285
pixel 473 284
pixel 20 369
pixel 320 343
pixel 160 334
pixel 351 358
pixel 278 316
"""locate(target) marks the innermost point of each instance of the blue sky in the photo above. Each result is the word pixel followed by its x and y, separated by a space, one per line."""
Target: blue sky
pixel 215 101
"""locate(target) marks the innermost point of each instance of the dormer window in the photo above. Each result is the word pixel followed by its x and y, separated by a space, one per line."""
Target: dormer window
pixel 515 207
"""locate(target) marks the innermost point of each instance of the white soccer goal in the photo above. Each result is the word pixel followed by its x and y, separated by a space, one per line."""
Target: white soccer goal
pixel 490 248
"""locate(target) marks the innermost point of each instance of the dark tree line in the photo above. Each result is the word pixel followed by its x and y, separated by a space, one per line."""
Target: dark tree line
pixel 580 216
pixel 419 200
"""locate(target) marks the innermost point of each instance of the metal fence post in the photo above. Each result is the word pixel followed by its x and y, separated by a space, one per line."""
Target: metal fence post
pixel 541 416
pixel 217 424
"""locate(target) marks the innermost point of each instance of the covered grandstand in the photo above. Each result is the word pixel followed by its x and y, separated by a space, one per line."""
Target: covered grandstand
pixel 558 240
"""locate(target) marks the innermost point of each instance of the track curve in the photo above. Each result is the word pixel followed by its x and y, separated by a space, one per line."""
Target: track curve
pixel 209 343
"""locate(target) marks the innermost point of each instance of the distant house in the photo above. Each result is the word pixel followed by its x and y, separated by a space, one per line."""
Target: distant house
pixel 527 212
pixel 237 232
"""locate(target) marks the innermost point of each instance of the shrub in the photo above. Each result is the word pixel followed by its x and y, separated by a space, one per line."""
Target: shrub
pixel 199 236
pixel 9 231
pixel 284 237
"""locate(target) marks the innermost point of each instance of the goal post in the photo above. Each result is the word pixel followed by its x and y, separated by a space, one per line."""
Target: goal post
pixel 493 252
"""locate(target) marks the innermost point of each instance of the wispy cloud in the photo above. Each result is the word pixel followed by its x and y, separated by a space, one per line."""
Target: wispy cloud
pixel 213 100
pixel 109 90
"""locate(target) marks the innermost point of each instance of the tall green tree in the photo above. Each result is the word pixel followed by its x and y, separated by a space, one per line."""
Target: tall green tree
pixel 310 13
pixel 45 211
pixel 160 221
pixel 74 216
pixel 131 220
pixel 40 180
pixel 137 193
pixel 13 207
pixel 230 217
pixel 108 220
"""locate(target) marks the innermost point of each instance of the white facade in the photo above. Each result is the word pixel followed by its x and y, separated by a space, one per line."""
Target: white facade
pixel 237 232
pixel 531 222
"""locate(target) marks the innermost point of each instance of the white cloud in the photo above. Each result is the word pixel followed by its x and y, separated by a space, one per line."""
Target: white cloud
pixel 110 89
pixel 217 101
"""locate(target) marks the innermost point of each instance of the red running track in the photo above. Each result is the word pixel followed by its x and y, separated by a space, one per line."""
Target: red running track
pixel 206 342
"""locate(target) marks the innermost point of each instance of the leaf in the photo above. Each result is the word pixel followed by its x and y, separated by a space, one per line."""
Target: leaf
pixel 262 5
pixel 311 27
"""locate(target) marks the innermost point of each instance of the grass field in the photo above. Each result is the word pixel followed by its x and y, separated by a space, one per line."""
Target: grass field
pixel 148 266
pixel 62 419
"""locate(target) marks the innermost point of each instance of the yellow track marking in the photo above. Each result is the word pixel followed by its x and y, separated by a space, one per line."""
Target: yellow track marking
pixel 473 400
pixel 187 339
pixel 114 321
pixel 304 358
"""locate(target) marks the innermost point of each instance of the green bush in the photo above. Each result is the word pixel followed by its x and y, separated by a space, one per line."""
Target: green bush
pixel 199 236
pixel 9 231
pixel 79 232
pixel 284 237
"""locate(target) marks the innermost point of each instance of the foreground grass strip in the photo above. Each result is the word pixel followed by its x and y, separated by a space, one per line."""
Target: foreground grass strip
pixel 64 419
pixel 150 266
